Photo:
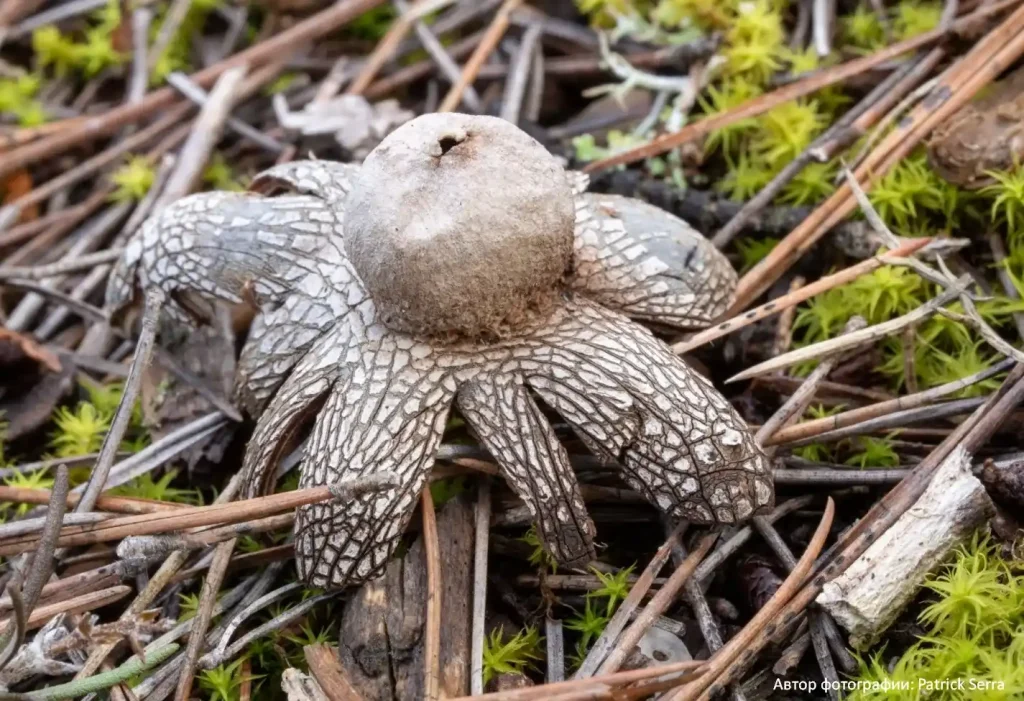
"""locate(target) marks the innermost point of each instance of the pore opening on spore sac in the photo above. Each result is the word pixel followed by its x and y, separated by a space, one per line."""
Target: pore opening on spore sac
pixel 447 143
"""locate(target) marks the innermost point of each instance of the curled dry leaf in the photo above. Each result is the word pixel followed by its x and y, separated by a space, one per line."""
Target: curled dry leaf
pixel 356 124
pixel 33 382
pixel 458 266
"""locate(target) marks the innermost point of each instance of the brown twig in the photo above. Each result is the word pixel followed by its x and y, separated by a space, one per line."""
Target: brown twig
pixel 325 668
pixel 121 505
pixel 204 614
pixel 549 691
pixel 810 429
pixel 78 604
pixel 150 547
pixel 196 516
pixel 389 43
pixel 487 44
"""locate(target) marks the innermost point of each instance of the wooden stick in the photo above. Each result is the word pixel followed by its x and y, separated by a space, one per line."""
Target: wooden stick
pixel 432 632
pixel 547 691
pixel 797 296
pixel 204 614
pixel 78 604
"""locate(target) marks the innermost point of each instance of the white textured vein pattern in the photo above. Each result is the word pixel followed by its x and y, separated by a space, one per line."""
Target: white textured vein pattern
pixel 381 398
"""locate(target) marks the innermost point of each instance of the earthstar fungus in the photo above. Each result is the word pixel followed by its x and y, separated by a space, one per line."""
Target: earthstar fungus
pixel 459 266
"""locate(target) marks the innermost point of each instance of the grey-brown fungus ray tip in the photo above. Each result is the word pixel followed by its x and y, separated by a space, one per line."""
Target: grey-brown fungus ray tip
pixel 459 267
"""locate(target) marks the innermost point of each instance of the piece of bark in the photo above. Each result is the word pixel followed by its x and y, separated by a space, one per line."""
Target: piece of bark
pixel 324 666
pixel 381 648
pixel 873 591
pixel 1005 483
pixel 301 687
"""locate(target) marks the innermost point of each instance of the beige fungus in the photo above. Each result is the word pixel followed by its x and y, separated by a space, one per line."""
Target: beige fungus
pixel 460 225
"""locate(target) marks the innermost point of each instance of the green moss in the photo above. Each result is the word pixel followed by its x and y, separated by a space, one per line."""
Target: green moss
pixel 873 452
pixel 862 30
pixel 372 25
pixel 17 98
pixel 539 556
pixel 224 682
pixel 912 190
pixel 178 54
pixel 913 18
pixel 1007 208
pixel 219 175
pixel 514 655
pixel 588 625
pixel 818 452
pixel 752 251
pixel 86 53
pixel 80 430
pixel 755 41
pixel 145 487
pixel 133 180
pixel 40 479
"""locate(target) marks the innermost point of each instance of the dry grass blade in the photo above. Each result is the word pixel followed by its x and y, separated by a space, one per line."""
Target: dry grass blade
pixel 548 691
pixel 193 517
pixel 856 338
pixel 658 604
pixel 797 296
pixel 718 673
pixel 604 644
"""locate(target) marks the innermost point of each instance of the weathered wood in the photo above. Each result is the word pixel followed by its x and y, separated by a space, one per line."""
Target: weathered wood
pixel 324 666
pixel 869 596
pixel 381 648
pixel 301 687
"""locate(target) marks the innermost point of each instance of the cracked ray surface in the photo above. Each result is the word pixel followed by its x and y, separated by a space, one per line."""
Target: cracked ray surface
pixel 317 352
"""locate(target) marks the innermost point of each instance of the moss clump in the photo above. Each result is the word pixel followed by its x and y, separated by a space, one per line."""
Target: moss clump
pixel 514 655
